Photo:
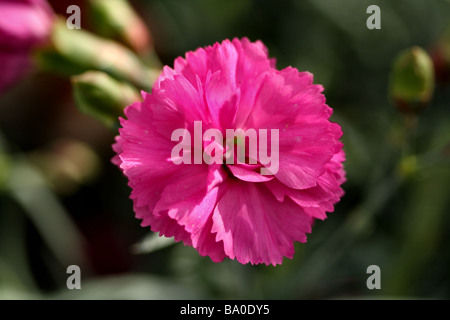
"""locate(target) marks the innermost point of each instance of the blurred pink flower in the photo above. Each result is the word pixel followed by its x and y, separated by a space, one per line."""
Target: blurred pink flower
pixel 24 24
pixel 227 210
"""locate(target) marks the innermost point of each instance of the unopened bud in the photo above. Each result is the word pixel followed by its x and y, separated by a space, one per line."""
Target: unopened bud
pixel 408 166
pixel 117 19
pixel 76 51
pixel 412 80
pixel 102 96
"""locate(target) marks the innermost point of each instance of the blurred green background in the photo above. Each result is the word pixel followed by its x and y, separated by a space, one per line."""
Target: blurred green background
pixel 62 202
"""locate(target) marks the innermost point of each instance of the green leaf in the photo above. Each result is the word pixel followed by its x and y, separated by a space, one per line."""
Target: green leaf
pixel 129 287
pixel 151 243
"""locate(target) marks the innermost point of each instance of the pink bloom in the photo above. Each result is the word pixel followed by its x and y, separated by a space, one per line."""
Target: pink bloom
pixel 24 24
pixel 232 210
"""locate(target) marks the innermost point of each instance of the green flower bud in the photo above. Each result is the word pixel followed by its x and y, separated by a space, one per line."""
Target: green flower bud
pixel 102 96
pixel 117 19
pixel 408 166
pixel 76 51
pixel 412 80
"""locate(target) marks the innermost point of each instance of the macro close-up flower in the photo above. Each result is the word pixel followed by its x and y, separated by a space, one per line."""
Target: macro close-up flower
pixel 24 25
pixel 232 210
pixel 224 150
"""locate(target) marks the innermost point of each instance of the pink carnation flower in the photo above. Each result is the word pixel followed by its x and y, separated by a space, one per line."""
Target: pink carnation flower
pixel 232 210
pixel 24 24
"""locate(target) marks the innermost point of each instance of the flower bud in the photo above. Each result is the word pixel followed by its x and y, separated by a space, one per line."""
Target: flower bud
pixel 408 166
pixel 102 96
pixel 77 51
pixel 412 80
pixel 117 19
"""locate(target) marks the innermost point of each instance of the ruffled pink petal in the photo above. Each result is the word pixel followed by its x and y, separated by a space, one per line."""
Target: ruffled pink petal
pixel 163 224
pixel 237 66
pixel 184 211
pixel 145 141
pixel 304 151
pixel 222 100
pixel 117 148
pixel 244 174
pixel 307 140
pixel 191 202
pixel 255 227
pixel 207 245
pixel 194 65
pixel 192 198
